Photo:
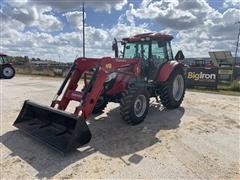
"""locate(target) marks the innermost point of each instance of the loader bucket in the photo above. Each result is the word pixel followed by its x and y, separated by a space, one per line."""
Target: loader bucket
pixel 60 130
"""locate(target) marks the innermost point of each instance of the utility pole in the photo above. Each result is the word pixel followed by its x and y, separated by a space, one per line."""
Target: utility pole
pixel 235 61
pixel 83 21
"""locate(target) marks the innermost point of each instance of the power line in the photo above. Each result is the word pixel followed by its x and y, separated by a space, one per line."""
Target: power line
pixel 236 51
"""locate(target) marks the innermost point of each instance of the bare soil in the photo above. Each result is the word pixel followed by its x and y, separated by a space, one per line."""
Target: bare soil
pixel 199 140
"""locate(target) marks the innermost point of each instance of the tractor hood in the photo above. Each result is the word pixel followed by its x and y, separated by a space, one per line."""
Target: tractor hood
pixel 107 61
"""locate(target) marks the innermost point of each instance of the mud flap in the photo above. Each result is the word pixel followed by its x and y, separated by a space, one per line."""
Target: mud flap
pixel 60 130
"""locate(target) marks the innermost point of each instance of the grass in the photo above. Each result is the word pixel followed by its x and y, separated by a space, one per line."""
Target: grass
pixel 235 86
pixel 232 89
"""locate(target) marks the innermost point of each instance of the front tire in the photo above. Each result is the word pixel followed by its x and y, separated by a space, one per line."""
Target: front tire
pixel 8 71
pixel 134 105
pixel 173 90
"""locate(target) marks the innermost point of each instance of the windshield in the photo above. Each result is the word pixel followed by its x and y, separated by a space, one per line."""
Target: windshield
pixel 3 59
pixel 158 50
pixel 136 50
pixel 131 50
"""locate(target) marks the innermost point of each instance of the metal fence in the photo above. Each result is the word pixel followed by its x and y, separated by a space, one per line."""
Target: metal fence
pixel 43 69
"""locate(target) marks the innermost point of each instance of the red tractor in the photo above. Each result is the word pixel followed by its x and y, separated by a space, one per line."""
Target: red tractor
pixel 6 69
pixel 146 69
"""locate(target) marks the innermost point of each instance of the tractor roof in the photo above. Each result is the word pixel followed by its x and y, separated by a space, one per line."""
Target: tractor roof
pixel 2 54
pixel 149 36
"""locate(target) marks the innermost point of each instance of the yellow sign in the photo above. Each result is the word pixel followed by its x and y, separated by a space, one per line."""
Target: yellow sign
pixel 108 66
pixel 197 76
pixel 225 71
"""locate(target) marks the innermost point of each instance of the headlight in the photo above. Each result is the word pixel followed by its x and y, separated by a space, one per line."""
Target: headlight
pixel 111 76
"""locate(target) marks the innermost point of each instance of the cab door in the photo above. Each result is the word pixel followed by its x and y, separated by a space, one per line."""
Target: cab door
pixel 160 53
pixel 144 54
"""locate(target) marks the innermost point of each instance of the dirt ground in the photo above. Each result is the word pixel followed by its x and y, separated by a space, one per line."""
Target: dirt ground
pixel 199 140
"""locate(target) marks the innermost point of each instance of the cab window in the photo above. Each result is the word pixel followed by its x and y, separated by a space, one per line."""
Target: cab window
pixel 3 59
pixel 158 51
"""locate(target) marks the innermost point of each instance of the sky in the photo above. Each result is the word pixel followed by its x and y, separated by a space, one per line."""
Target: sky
pixel 52 29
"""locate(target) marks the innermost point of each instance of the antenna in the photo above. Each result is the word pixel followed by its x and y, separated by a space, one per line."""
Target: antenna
pixel 83 21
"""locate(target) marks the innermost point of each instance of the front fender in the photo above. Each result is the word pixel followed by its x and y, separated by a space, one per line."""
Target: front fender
pixel 166 69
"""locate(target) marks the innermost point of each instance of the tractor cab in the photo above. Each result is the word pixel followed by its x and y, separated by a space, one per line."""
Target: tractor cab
pixel 6 69
pixel 152 48
pixel 3 59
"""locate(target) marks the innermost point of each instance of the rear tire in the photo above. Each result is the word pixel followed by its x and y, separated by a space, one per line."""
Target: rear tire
pixel 8 71
pixel 173 90
pixel 134 105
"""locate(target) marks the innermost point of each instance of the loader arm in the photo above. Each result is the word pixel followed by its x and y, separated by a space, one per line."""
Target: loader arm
pixel 88 97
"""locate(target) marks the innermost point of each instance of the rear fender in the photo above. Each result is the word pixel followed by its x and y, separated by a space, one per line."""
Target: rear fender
pixel 166 69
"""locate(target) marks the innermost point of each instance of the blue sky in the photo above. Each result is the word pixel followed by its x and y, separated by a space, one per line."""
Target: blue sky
pixel 47 29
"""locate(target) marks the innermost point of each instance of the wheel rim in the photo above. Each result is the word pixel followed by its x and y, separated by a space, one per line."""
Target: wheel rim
pixel 7 72
pixel 140 105
pixel 178 87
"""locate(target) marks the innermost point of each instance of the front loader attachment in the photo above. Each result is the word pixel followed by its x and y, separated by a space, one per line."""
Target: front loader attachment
pixel 60 130
pixel 64 131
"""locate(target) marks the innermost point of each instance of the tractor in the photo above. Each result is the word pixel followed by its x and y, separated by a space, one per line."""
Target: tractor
pixel 145 68
pixel 6 69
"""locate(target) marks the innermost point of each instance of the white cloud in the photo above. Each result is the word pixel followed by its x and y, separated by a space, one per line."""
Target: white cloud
pixel 198 27
pixel 62 5
pixel 39 14
pixel 215 34
pixel 17 15
pixel 33 16
pixel 48 23
pixel 120 5
pixel 127 17
pixel 75 18
pixel 18 3
pixel 174 14
pixel 67 44
pixel 145 3
pixel 231 3
pixel 122 31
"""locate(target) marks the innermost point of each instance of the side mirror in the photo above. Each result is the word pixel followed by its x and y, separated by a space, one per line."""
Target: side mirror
pixel 179 56
pixel 123 43
pixel 114 44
